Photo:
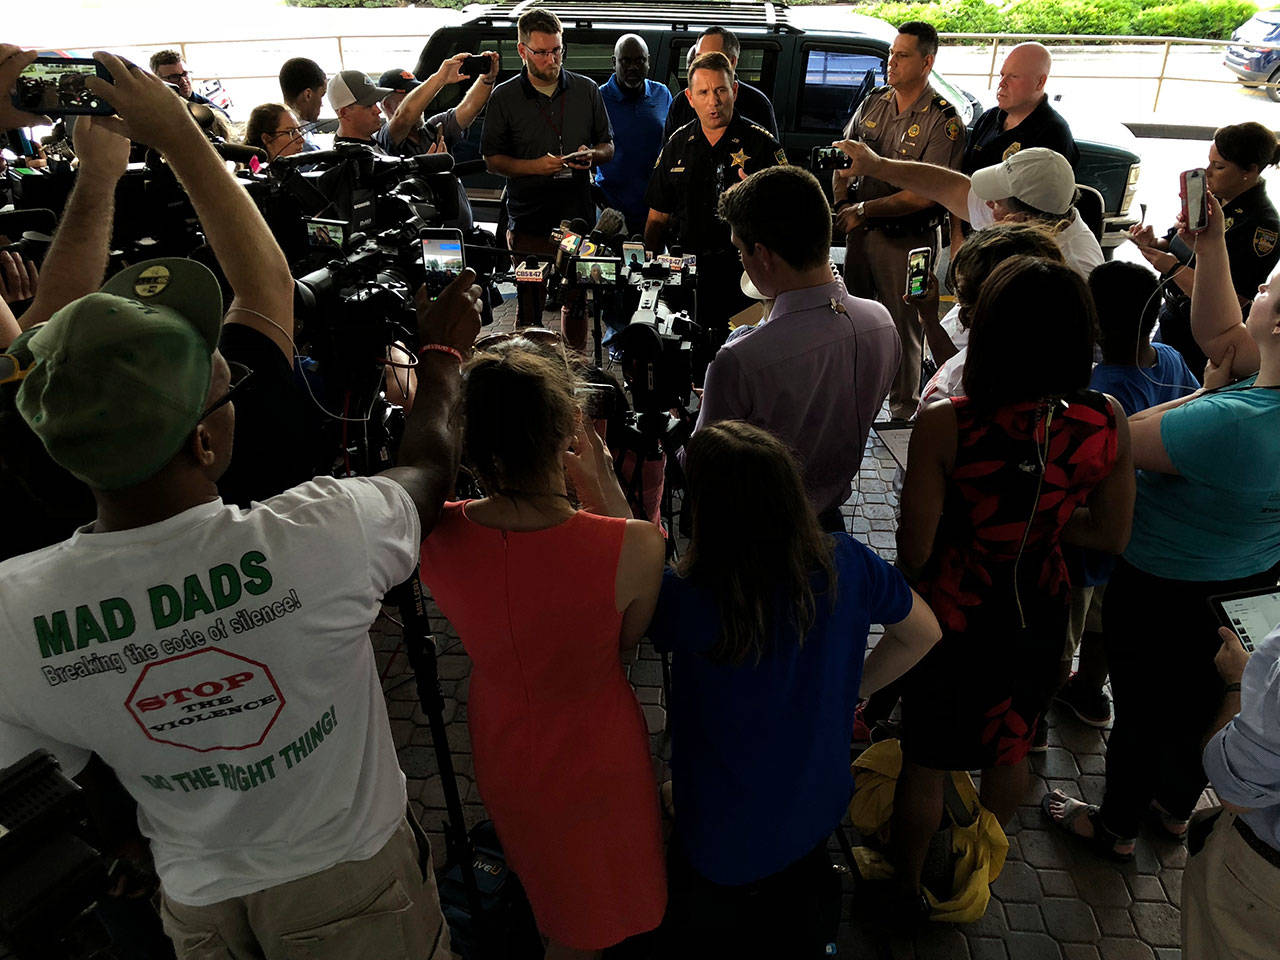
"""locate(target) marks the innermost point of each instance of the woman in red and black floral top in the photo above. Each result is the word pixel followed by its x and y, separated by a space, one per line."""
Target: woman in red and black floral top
pixel 997 481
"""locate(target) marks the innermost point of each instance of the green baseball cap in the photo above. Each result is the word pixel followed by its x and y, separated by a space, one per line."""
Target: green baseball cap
pixel 121 376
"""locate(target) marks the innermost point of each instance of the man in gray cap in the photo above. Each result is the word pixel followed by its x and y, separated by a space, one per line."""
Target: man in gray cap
pixel 354 97
pixel 217 659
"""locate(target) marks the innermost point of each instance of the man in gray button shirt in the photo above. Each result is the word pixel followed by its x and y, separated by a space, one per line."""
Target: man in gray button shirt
pixel 817 370
pixel 1231 888
pixel 544 131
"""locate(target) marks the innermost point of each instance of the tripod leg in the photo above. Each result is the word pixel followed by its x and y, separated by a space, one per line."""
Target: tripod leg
pixel 420 646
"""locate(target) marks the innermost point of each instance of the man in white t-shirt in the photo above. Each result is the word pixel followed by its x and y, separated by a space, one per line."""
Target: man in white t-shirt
pixel 217 659
pixel 1032 185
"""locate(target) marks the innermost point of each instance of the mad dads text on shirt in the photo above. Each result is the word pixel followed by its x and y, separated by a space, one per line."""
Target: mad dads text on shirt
pixel 223 585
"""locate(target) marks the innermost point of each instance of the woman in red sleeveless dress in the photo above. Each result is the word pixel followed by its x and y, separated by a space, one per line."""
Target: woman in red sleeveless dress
pixel 544 597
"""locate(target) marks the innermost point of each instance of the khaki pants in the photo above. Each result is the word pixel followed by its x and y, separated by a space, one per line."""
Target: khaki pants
pixel 875 268
pixel 382 908
pixel 1230 900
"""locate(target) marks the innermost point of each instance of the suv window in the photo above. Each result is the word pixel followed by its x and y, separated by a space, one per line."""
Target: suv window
pixel 594 60
pixel 834 82
pixel 757 64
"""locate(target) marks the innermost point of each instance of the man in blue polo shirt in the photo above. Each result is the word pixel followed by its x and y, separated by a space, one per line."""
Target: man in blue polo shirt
pixel 637 108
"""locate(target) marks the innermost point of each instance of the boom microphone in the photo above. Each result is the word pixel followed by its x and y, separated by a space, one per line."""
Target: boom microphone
pixel 610 225
pixel 240 152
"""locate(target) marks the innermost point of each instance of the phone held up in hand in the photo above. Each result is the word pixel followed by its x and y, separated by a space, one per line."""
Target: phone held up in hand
pixel 919 263
pixel 443 258
pixel 476 65
pixel 829 158
pixel 54 86
pixel 1195 200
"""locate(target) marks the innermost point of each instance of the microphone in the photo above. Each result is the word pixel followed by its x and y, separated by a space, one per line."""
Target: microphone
pixel 340 151
pixel 429 163
pixel 240 152
pixel 468 167
pixel 532 272
pixel 610 225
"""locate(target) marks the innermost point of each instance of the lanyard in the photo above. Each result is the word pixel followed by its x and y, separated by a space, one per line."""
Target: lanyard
pixel 558 128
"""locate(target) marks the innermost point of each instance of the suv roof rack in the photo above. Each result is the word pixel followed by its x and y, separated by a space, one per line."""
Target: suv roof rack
pixel 767 15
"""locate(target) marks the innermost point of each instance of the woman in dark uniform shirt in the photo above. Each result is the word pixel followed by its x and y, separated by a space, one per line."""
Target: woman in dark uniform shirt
pixel 1237 158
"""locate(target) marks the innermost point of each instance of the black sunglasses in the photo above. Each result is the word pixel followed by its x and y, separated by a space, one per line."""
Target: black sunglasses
pixel 240 375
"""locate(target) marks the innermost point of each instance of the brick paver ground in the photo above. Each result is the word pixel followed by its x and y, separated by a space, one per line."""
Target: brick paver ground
pixel 1053 901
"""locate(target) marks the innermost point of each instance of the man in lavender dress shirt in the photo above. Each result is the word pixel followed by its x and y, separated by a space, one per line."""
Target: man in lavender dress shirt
pixel 817 371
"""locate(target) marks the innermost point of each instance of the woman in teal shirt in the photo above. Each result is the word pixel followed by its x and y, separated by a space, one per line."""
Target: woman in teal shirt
pixel 1207 522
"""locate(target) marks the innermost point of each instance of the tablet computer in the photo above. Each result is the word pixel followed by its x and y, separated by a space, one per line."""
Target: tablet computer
pixel 1251 614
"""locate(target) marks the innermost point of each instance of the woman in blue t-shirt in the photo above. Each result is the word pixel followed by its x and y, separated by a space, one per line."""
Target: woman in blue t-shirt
pixel 1207 522
pixel 767 620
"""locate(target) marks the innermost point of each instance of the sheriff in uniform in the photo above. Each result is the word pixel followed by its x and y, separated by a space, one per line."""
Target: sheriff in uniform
pixel 904 120
pixel 702 159
pixel 1253 228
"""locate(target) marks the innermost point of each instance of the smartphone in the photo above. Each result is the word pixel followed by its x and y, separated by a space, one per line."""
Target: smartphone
pixel 633 253
pixel 596 400
pixel 829 158
pixel 331 234
pixel 577 156
pixel 919 262
pixel 596 271
pixel 1195 199
pixel 1251 615
pixel 442 251
pixel 476 65
pixel 55 87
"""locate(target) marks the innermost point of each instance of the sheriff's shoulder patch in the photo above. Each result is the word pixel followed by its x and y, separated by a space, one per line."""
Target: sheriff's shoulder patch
pixel 1264 241
pixel 780 156
pixel 953 129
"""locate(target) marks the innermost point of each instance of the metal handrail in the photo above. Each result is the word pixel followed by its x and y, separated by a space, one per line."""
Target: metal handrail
pixel 995 39
pixel 1167 42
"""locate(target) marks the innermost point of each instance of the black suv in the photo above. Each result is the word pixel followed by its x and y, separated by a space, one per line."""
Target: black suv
pixel 815 78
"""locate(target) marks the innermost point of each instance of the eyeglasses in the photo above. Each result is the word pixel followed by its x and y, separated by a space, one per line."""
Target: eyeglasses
pixel 293 134
pixel 184 75
pixel 544 54
pixel 240 375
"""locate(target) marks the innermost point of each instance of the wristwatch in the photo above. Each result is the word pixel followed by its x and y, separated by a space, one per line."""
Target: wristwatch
pixel 860 208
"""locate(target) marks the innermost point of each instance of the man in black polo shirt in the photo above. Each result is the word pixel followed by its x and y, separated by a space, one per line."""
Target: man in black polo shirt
pixel 750 101
pixel 702 159
pixel 1022 116
pixel 544 131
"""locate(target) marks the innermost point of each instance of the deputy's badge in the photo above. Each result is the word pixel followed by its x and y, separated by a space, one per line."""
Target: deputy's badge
pixel 869 123
pixel 953 129
pixel 1013 148
pixel 739 159
pixel 781 157
pixel 152 281
pixel 913 130
pixel 1264 241
pixel 1228 223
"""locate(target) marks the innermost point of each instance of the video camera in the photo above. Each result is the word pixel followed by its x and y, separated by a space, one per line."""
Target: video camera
pixel 51 867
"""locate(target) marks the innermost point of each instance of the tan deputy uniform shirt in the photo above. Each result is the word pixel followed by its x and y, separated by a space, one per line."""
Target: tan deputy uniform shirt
pixel 929 130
